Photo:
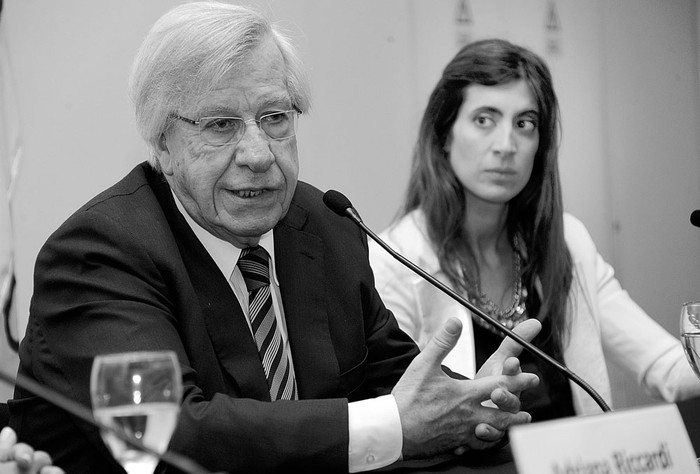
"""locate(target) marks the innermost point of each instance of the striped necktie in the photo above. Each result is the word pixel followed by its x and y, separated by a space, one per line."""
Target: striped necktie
pixel 254 264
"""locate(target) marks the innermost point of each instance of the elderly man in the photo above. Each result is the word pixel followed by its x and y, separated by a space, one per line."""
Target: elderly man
pixel 212 249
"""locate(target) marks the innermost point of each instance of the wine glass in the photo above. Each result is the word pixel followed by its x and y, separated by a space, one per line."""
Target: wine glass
pixel 139 394
pixel 690 333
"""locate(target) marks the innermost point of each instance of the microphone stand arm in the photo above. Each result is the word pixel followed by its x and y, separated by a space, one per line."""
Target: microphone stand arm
pixel 352 213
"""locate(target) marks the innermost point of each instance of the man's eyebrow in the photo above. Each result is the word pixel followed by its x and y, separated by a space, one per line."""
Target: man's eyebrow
pixel 281 102
pixel 217 112
pixel 278 101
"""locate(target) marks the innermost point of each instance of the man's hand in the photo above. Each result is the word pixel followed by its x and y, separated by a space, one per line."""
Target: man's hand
pixel 20 458
pixel 504 361
pixel 501 360
pixel 440 413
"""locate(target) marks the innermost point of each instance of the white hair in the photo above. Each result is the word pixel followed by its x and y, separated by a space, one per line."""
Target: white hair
pixel 188 51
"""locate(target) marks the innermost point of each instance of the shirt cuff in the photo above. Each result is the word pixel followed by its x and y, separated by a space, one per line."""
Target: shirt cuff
pixel 375 434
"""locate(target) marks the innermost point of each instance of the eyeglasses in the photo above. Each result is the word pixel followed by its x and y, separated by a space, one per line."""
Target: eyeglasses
pixel 220 131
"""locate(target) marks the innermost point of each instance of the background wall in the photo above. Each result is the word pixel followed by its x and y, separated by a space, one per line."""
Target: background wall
pixel 626 73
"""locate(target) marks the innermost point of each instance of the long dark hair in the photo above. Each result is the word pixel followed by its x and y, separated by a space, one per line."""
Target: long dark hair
pixel 535 214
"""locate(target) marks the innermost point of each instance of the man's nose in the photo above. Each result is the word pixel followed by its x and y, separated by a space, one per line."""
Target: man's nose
pixel 253 149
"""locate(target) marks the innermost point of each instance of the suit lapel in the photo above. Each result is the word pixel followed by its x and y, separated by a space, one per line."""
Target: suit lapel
pixel 225 321
pixel 299 258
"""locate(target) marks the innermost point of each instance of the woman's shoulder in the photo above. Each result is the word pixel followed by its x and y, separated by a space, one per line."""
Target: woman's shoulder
pixel 408 233
pixel 577 237
pixel 408 236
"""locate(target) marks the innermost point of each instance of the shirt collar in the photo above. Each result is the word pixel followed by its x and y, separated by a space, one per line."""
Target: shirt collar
pixel 225 254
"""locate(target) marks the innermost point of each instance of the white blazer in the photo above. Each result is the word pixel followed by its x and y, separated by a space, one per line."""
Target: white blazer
pixel 606 321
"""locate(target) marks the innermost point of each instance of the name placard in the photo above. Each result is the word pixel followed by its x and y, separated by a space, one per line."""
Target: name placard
pixel 648 440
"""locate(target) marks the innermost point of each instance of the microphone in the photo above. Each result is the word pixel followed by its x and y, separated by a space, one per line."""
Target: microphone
pixel 341 205
pixel 79 411
pixel 695 218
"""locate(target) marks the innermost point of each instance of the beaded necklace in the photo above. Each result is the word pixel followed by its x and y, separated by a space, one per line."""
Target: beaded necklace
pixel 515 312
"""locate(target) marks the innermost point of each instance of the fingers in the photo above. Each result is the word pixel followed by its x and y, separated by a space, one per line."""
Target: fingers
pixel 488 433
pixel 23 455
pixel 511 366
pixel 522 381
pixel 8 439
pixel 25 458
pixel 41 460
pixel 51 470
pixel 505 400
pixel 442 342
pixel 492 429
pixel 512 385
pixel 486 436
pixel 528 329
pixel 424 388
pixel 43 464
pixel 11 450
pixel 495 423
pixel 508 349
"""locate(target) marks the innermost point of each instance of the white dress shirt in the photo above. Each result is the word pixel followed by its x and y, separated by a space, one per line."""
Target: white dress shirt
pixel 374 425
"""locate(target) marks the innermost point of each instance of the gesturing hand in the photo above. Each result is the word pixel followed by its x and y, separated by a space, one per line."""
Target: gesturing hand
pixel 504 361
pixel 439 413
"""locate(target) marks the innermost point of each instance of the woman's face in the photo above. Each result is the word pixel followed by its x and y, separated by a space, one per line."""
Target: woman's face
pixel 493 142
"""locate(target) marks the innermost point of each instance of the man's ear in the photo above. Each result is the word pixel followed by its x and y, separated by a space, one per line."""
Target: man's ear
pixel 163 156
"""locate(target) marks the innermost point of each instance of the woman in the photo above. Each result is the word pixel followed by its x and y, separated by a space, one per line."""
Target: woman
pixel 483 213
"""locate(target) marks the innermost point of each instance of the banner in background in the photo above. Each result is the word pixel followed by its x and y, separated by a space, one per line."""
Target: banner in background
pixel 10 154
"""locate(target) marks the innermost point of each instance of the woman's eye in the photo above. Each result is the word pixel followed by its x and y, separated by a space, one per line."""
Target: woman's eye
pixel 527 125
pixel 484 121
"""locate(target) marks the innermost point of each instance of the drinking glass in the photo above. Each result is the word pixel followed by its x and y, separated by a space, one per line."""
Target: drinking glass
pixel 690 333
pixel 139 394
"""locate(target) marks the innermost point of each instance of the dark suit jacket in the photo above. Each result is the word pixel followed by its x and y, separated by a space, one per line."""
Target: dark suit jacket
pixel 126 273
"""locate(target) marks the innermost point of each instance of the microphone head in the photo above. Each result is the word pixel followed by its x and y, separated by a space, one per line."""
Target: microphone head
pixel 695 218
pixel 336 202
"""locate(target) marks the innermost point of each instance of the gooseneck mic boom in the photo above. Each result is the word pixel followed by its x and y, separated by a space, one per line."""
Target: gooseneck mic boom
pixel 79 411
pixel 339 204
pixel 695 218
